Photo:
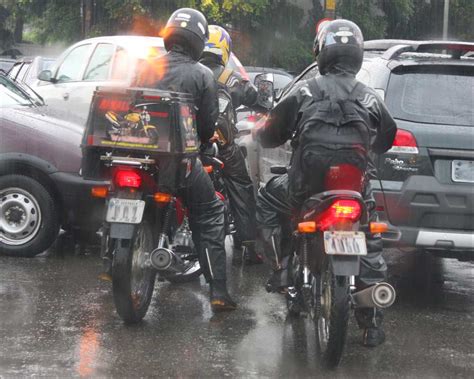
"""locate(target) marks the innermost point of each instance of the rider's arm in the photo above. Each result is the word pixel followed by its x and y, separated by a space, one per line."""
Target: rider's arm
pixel 387 128
pixel 283 119
pixel 208 108
pixel 242 91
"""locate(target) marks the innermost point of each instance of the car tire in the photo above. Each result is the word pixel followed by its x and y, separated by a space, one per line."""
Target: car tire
pixel 29 217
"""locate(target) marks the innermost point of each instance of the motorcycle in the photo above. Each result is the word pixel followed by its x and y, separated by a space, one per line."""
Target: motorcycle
pixel 327 242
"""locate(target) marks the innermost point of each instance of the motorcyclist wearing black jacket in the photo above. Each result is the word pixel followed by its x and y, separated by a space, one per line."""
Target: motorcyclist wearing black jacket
pixel 179 70
pixel 339 52
pixel 238 184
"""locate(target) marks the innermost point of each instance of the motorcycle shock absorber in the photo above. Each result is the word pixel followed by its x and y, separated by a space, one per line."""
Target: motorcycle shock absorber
pixel 305 261
pixel 166 223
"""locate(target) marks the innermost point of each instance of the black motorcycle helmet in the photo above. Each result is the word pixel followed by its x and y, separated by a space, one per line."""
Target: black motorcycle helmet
pixel 339 44
pixel 187 28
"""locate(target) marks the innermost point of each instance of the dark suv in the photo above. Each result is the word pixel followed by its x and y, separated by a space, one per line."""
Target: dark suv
pixel 428 176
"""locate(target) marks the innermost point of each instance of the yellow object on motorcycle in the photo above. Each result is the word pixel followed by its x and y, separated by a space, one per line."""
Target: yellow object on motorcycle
pixel 132 117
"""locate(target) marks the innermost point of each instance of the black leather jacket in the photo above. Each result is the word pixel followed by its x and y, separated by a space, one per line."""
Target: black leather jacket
pixel 291 111
pixel 176 71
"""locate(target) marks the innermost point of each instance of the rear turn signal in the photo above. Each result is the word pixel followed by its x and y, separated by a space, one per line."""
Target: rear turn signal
pixel 307 227
pixel 99 192
pixel 405 142
pixel 161 197
pixel 378 227
pixel 128 178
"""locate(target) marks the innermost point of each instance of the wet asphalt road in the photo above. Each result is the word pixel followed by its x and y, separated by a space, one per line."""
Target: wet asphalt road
pixel 58 320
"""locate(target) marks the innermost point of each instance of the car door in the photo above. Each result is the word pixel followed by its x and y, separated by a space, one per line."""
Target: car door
pixel 97 73
pixel 65 80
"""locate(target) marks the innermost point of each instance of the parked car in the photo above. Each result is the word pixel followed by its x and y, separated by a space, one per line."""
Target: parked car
pixel 27 69
pixel 426 187
pixel 40 186
pixel 67 87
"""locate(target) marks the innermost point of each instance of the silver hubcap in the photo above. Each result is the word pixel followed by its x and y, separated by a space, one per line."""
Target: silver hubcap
pixel 20 216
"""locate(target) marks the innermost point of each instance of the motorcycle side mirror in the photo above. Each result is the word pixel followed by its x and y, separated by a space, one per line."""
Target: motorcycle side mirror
pixel 265 89
pixel 46 76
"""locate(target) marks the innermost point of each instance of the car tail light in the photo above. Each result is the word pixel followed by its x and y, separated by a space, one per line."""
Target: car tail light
pixel 344 177
pixel 127 178
pixel 339 211
pixel 405 142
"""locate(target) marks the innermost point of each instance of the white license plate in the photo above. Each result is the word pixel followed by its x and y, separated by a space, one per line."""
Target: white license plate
pixel 462 171
pixel 125 211
pixel 345 243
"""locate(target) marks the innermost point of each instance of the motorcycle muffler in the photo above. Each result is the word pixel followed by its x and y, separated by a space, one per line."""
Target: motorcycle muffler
pixel 165 260
pixel 380 295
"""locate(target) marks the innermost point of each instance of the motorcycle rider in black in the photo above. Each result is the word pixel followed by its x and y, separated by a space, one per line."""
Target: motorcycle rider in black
pixel 339 51
pixel 185 35
pixel 237 181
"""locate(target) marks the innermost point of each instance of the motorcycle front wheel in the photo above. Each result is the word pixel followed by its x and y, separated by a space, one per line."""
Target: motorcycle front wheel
pixel 132 280
pixel 330 313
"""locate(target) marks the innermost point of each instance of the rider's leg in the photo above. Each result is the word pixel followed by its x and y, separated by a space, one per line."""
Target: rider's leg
pixel 207 225
pixel 241 196
pixel 273 212
pixel 373 269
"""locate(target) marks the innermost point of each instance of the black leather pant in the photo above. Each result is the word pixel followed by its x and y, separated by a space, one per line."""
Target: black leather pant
pixel 207 222
pixel 240 192
pixel 274 231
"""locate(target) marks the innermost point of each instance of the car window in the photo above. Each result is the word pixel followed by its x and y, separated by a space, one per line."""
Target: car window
pixel 23 70
pixel 98 67
pixel 71 67
pixel 11 96
pixel 14 70
pixel 281 81
pixel 432 97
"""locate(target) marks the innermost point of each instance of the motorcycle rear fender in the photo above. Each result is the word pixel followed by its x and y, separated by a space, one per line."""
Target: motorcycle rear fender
pixel 344 265
pixel 122 231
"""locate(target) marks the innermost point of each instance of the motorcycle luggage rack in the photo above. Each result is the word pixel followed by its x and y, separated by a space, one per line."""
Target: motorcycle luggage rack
pixel 128 161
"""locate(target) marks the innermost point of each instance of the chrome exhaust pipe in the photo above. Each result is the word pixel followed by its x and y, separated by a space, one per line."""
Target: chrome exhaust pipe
pixel 380 295
pixel 165 260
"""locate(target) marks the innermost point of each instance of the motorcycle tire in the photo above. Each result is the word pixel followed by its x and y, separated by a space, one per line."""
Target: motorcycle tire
pixel 132 281
pixel 331 296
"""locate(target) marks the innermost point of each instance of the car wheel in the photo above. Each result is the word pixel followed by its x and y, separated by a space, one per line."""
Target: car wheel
pixel 29 221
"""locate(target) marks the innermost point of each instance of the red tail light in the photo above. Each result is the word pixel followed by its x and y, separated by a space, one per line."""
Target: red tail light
pixel 339 211
pixel 405 142
pixel 127 178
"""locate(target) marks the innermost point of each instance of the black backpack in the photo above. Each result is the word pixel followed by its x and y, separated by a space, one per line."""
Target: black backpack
pixel 332 131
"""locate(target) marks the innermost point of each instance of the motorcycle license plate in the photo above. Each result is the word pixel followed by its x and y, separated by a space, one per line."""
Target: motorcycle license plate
pixel 345 243
pixel 125 211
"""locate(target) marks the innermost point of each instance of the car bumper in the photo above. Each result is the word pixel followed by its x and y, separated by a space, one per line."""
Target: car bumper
pixel 425 213
pixel 80 208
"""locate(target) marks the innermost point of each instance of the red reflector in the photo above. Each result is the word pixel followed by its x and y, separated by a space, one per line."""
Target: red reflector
pixel 339 211
pixel 404 142
pixel 127 178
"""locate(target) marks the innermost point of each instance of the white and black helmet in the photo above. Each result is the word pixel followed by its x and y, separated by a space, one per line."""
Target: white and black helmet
pixel 339 43
pixel 187 28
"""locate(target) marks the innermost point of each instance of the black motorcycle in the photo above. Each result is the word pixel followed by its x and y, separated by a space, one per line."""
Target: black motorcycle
pixel 327 242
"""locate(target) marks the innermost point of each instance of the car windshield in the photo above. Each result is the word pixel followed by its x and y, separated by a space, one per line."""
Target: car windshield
pixel 434 97
pixel 11 95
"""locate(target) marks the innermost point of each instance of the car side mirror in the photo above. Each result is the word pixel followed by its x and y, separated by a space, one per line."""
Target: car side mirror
pixel 265 90
pixel 46 76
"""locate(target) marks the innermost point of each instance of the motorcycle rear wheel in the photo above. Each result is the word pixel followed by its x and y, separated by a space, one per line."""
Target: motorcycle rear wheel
pixel 132 281
pixel 330 313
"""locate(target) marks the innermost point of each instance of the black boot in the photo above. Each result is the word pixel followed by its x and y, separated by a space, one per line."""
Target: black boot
pixel 220 298
pixel 250 255
pixel 370 320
